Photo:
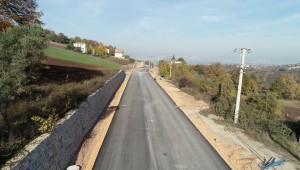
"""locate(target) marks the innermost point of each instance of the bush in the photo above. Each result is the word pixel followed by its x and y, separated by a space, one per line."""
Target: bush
pixel 265 102
pixel 285 86
pixel 185 82
pixel 21 49
pixel 164 68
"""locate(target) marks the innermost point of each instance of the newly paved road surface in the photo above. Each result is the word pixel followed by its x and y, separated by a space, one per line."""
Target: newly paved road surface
pixel 150 132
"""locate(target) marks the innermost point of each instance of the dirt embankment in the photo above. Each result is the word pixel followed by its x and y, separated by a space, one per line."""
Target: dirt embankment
pixel 236 148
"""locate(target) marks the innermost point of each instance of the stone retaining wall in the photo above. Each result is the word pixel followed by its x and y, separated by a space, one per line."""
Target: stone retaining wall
pixel 58 149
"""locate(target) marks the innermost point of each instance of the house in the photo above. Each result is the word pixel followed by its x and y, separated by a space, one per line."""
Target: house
pixel 119 53
pixel 81 45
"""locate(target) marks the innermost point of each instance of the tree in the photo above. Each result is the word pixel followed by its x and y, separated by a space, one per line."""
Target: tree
pixel 181 70
pixel 164 68
pixel 266 102
pixel 101 50
pixel 181 59
pixel 51 35
pixel 199 69
pixel 111 50
pixel 173 58
pixel 4 25
pixel 285 86
pixel 62 38
pixel 298 93
pixel 70 46
pixel 91 46
pixel 77 39
pixel 91 49
pixel 227 87
pixel 21 49
pixel 18 12
pixel 215 69
pixel 249 85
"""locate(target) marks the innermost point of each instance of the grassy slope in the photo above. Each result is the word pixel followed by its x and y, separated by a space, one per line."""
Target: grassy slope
pixel 77 57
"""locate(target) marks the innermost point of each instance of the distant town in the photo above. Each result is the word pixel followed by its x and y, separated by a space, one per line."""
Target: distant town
pixel 283 67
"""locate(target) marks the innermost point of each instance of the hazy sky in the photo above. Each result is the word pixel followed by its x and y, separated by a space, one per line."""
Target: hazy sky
pixel 199 30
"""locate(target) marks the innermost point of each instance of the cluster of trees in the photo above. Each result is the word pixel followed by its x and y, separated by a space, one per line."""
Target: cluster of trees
pixel 93 47
pixel 286 87
pixel 60 37
pixel 260 111
pixel 22 42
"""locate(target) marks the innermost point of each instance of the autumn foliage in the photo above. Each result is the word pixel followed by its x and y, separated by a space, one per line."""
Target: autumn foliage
pixel 260 112
pixel 18 12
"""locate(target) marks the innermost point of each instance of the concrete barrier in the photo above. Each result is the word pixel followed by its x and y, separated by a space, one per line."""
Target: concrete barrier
pixel 59 149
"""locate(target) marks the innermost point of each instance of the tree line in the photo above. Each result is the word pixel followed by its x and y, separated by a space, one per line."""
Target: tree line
pixel 22 41
pixel 260 113
pixel 93 47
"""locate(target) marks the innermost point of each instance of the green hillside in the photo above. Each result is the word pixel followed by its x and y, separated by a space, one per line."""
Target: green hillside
pixel 78 57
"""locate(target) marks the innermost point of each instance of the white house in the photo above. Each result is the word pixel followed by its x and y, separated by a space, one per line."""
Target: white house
pixel 119 53
pixel 81 45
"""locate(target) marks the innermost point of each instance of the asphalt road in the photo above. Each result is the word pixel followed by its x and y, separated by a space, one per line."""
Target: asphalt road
pixel 148 131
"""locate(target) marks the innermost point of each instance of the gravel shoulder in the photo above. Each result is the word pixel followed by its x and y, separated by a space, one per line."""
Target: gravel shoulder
pixel 236 148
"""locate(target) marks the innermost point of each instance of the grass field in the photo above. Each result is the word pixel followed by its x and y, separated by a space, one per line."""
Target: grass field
pixel 77 57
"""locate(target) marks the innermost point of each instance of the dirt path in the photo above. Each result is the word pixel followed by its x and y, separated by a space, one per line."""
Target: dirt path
pixel 238 150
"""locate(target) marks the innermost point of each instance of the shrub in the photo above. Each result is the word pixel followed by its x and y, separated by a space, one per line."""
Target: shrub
pixel 21 49
pixel 164 68
pixel 285 86
pixel 185 82
pixel 46 125
pixel 265 102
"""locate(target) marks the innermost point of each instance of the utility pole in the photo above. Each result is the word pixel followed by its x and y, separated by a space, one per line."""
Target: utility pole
pixel 238 97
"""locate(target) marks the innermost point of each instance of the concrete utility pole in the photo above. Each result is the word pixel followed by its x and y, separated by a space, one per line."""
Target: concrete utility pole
pixel 238 97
